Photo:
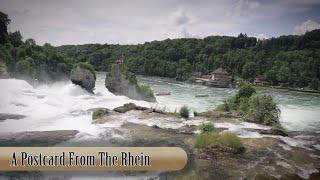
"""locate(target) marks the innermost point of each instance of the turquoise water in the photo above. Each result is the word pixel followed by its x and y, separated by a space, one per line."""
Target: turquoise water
pixel 298 111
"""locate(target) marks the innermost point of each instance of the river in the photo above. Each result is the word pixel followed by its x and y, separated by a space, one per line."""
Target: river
pixel 65 106
pixel 299 112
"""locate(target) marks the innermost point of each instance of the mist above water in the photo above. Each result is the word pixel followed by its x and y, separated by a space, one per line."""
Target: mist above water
pixel 58 106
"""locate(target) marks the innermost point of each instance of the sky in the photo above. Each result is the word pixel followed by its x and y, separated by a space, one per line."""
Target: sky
pixel 61 22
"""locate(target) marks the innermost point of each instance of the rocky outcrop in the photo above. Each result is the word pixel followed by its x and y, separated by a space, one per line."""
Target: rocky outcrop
pixel 83 75
pixel 98 113
pixel 37 138
pixel 3 70
pixel 124 83
pixel 4 116
pixel 128 107
pixel 273 131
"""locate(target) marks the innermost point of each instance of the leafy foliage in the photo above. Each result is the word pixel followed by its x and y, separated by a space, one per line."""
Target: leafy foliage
pixel 146 91
pixel 99 113
pixel 259 108
pixel 287 59
pixel 206 128
pixel 184 112
pixel 292 60
pixel 29 61
pixel 263 110
pixel 214 139
pixel 26 68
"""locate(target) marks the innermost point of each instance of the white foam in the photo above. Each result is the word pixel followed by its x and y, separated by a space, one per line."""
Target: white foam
pixel 58 106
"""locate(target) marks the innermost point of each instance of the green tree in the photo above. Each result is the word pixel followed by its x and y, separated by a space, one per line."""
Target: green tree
pixel 263 110
pixel 4 22
pixel 249 71
pixel 26 68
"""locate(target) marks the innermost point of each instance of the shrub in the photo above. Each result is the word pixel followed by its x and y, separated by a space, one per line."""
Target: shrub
pixel 243 105
pixel 205 140
pixel 184 112
pixel 246 90
pixel 206 128
pixel 146 91
pixel 262 109
pixel 26 68
pixel 195 113
pixel 259 108
pixel 223 107
pixel 231 140
pixel 214 139
pixel 191 79
pixel 99 113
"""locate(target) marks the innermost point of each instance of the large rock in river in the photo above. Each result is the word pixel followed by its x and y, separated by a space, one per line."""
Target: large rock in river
pixel 122 82
pixel 83 75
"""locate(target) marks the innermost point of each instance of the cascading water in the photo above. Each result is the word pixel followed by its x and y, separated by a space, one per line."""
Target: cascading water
pixel 58 106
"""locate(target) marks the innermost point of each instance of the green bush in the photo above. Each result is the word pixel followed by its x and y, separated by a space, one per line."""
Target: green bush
pixel 191 79
pixel 214 139
pixel 231 140
pixel 223 107
pixel 26 68
pixel 205 140
pixel 184 112
pixel 243 105
pixel 206 128
pixel 246 90
pixel 262 109
pixel 195 113
pixel 146 91
pixel 86 65
pixel 259 108
pixel 99 113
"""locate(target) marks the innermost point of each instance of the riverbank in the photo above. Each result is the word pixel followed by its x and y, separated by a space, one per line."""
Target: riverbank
pixel 287 89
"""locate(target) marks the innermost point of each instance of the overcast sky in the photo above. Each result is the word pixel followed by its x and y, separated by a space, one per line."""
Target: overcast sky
pixel 60 22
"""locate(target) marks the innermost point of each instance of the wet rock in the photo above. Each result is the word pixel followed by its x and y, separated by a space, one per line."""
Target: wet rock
pixel 128 107
pixel 83 76
pixel 37 138
pixel 156 126
pixel 100 112
pixel 274 131
pixel 125 83
pixel 4 116
pixel 187 130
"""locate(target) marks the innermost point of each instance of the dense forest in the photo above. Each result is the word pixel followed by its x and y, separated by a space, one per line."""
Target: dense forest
pixel 27 60
pixel 293 60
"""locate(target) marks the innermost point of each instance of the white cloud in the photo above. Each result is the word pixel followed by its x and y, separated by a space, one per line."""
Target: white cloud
pixel 180 17
pixel 262 36
pixel 308 25
pixel 245 8
pixel 123 21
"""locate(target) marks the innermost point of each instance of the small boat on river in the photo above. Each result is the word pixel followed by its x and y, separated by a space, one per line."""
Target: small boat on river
pixel 162 93
pixel 201 95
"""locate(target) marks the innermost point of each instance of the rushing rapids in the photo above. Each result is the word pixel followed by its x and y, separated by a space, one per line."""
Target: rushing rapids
pixel 64 108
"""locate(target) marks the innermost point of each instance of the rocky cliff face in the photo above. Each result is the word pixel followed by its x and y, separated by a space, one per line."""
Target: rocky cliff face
pixel 121 83
pixel 83 77
pixel 3 70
